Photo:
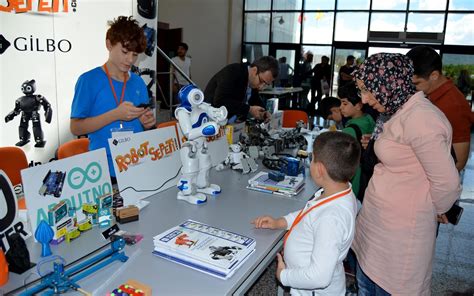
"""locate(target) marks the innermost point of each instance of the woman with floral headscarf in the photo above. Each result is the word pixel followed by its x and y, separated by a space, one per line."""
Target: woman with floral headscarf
pixel 415 180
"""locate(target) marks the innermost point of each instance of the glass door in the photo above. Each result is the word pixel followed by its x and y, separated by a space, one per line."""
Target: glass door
pixel 288 56
pixel 341 56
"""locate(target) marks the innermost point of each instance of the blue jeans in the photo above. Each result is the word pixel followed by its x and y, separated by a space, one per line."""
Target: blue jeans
pixel 367 287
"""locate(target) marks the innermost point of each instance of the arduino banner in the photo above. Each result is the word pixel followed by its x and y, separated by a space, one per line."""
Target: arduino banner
pixel 77 180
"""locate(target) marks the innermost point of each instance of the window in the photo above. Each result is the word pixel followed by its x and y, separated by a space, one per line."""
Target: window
pixel 336 28
pixel 374 50
pixel 340 60
pixel 387 22
pixel 318 52
pixel 454 65
pixel 257 4
pixel 287 4
pixel 318 27
pixel 427 5
pixel 460 29
pixel 351 26
pixel 425 22
pixel 389 5
pixel 255 51
pixel 257 27
pixel 461 5
pixel 286 27
pixel 319 4
pixel 353 4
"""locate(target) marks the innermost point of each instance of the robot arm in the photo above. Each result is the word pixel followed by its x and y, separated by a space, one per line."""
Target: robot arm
pixel 216 114
pixel 14 113
pixel 208 129
pixel 48 111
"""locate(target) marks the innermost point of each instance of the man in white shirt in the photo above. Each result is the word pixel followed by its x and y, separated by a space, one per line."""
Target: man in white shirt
pixel 184 63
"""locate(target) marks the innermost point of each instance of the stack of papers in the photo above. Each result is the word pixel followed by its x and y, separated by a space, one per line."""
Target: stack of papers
pixel 290 186
pixel 204 248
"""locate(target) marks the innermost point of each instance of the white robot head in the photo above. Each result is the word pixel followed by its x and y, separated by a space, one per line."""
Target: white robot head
pixel 235 148
pixel 190 96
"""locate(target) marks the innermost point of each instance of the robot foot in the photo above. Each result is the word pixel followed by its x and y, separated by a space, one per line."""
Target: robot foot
pixel 22 143
pixel 40 144
pixel 213 189
pixel 195 199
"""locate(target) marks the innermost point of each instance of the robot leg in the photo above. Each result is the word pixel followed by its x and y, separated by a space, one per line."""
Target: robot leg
pixel 253 165
pixel 205 165
pixel 187 182
pixel 23 131
pixel 245 166
pixel 37 131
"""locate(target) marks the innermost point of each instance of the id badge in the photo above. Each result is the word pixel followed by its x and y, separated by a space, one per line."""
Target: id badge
pixel 121 132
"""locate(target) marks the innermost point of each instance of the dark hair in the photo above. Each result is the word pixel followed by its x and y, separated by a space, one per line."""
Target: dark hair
pixel 267 63
pixel 349 91
pixel 350 57
pixel 325 58
pixel 339 153
pixel 326 104
pixel 425 60
pixel 183 45
pixel 127 31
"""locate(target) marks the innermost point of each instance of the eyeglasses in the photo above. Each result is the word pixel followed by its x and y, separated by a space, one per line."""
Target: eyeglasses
pixel 263 81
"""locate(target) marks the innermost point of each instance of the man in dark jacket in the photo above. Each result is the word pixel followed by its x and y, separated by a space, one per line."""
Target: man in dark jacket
pixel 236 87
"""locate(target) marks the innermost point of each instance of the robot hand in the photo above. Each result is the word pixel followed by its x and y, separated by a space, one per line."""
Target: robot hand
pixel 10 116
pixel 220 167
pixel 48 114
pixel 219 115
pixel 210 129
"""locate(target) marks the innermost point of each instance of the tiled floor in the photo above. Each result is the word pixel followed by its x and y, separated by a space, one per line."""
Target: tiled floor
pixel 453 269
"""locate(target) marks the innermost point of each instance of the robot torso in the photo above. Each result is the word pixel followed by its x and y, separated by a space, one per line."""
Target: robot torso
pixel 29 103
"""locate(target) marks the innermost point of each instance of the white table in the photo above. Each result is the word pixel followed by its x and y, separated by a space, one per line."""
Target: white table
pixel 232 210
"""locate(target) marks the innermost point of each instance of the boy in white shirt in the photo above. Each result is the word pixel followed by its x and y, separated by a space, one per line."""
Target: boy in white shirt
pixel 319 236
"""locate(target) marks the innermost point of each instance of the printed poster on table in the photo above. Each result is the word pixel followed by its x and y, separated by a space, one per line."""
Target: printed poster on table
pixel 77 180
pixel 145 163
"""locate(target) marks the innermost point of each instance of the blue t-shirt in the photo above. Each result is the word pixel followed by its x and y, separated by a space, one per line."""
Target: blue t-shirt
pixel 93 96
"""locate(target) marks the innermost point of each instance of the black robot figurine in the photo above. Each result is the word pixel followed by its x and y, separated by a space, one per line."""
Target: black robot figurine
pixel 28 105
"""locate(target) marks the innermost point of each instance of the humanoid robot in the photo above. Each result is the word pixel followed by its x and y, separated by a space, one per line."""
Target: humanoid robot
pixel 28 105
pixel 238 160
pixel 197 120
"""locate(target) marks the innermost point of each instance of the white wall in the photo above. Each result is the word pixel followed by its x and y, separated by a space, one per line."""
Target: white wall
pixel 211 28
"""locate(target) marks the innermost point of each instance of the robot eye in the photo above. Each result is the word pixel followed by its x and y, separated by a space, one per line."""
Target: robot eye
pixel 22 88
pixel 28 88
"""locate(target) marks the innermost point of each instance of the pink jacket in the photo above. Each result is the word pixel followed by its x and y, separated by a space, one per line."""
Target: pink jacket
pixel 415 180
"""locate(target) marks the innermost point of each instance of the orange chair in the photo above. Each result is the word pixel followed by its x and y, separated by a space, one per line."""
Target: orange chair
pixel 13 161
pixel 290 117
pixel 73 147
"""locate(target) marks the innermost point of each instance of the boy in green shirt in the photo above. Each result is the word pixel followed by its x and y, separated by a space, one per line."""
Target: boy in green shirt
pixel 359 123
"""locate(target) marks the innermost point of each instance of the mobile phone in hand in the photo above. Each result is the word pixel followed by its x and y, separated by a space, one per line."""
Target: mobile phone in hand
pixel 454 214
pixel 143 105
